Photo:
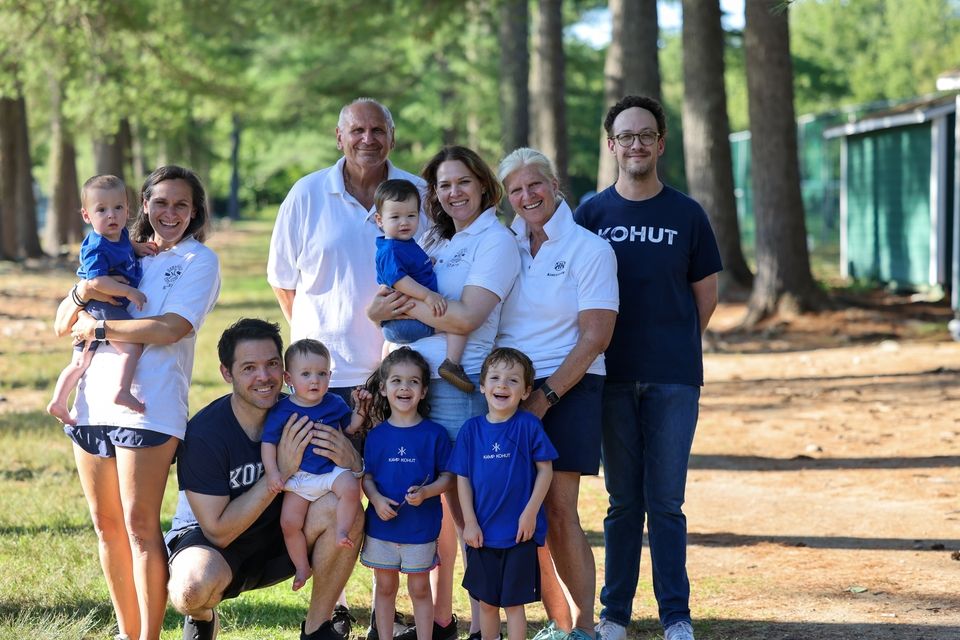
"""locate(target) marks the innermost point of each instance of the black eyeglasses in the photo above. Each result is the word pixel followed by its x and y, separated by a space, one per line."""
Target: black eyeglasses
pixel 647 138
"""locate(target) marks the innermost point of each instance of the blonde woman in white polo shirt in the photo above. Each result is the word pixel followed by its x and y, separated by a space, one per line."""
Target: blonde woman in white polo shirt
pixel 477 263
pixel 123 458
pixel 561 313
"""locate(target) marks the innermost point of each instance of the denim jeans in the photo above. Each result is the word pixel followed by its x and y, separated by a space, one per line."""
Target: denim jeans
pixel 647 434
pixel 451 407
pixel 405 331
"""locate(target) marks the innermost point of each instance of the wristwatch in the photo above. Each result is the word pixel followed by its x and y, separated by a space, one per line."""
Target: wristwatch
pixel 100 331
pixel 359 474
pixel 552 397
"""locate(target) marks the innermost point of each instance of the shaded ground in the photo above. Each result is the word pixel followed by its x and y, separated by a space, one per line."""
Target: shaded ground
pixel 824 491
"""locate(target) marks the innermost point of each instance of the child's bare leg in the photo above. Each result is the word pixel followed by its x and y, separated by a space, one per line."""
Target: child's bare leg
pixel 456 344
pixel 489 621
pixel 418 586
pixel 347 490
pixel 516 623
pixel 66 383
pixel 386 583
pixel 292 516
pixel 129 356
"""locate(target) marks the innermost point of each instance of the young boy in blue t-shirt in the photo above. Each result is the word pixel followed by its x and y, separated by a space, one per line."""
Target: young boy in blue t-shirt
pixel 503 466
pixel 106 253
pixel 402 265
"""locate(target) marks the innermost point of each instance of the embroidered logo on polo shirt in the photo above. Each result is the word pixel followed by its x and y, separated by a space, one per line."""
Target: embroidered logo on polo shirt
pixel 171 275
pixel 457 258
pixel 558 268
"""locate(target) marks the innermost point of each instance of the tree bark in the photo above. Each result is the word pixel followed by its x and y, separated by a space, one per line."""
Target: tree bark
pixel 64 224
pixel 24 200
pixel 8 180
pixel 514 74
pixel 631 67
pixel 706 144
pixel 548 114
pixel 783 283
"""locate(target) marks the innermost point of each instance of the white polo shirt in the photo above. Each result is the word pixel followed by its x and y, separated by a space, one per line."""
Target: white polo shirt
pixel 184 280
pixel 573 271
pixel 482 255
pixel 324 248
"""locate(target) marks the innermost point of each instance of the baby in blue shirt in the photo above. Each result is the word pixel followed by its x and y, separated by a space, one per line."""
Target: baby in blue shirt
pixel 405 267
pixel 307 371
pixel 105 255
pixel 503 466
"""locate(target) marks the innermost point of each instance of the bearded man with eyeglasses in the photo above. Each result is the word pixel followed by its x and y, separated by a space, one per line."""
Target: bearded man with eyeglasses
pixel 667 265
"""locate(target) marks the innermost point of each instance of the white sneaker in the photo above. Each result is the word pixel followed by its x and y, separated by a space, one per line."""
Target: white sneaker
pixel 678 631
pixel 609 630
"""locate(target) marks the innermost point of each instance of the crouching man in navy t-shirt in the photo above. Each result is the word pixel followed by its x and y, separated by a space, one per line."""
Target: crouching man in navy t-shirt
pixel 503 466
pixel 226 536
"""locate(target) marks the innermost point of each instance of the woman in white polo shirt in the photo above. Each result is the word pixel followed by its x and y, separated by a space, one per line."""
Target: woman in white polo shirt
pixel 561 313
pixel 123 458
pixel 476 262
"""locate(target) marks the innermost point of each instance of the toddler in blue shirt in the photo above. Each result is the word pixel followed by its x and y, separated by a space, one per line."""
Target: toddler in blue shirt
pixel 503 466
pixel 405 267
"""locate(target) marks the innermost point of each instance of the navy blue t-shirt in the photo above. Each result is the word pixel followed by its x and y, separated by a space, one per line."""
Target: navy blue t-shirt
pixel 663 245
pixel 331 411
pixel 399 258
pixel 399 458
pixel 500 460
pixel 217 458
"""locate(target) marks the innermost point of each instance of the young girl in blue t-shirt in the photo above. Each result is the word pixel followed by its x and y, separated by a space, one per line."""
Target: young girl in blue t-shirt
pixel 405 458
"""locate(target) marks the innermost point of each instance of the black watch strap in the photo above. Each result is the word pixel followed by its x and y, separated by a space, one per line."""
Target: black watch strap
pixel 551 395
pixel 100 332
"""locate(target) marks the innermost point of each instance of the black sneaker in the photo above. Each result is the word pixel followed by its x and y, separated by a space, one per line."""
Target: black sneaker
pixel 324 632
pixel 476 635
pixel 400 626
pixel 201 629
pixel 342 620
pixel 448 632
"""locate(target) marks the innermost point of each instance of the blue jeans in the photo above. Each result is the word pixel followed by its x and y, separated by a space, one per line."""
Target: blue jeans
pixel 405 331
pixel 647 434
pixel 451 407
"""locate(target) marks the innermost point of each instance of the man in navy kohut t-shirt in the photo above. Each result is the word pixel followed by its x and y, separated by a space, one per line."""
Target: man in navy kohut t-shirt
pixel 667 261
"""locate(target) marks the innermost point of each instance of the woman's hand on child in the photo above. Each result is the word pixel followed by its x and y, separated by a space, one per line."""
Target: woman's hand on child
pixel 384 507
pixel 526 526
pixel 472 535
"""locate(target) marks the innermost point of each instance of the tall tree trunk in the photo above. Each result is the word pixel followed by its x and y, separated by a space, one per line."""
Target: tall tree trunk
pixel 64 224
pixel 9 249
pixel 632 67
pixel 111 155
pixel 706 143
pixel 548 116
pixel 233 206
pixel 24 200
pixel 783 283
pixel 514 74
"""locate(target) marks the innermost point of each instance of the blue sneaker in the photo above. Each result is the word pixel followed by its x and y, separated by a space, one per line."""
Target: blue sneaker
pixel 579 634
pixel 551 632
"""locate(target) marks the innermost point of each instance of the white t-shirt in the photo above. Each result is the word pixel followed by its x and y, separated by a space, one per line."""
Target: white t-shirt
pixel 184 280
pixel 482 255
pixel 324 248
pixel 574 270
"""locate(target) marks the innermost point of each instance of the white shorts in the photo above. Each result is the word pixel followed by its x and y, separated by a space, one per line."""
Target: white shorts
pixel 312 486
pixel 405 558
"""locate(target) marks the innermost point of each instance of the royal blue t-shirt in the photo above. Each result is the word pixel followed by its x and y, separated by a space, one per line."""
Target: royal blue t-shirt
pixel 217 458
pixel 100 256
pixel 663 245
pixel 399 258
pixel 331 411
pixel 399 458
pixel 500 460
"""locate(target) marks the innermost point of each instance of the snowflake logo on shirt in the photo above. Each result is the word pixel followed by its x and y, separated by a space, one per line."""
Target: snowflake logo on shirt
pixel 401 452
pixel 496 446
pixel 171 275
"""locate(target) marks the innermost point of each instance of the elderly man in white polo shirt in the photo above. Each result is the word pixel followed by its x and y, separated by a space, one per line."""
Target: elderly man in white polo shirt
pixel 322 254
pixel 321 263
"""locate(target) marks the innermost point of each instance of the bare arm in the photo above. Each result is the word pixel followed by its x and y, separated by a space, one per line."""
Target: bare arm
pixel 472 534
pixel 164 329
pixel 528 519
pixel 384 506
pixel 285 298
pixel 223 519
pixel 416 495
pixel 705 297
pixel 596 329
pixel 462 316
pixel 417 291
pixel 68 309
pixel 388 304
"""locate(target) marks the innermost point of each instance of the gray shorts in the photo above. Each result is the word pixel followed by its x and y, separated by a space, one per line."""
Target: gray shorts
pixel 396 556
